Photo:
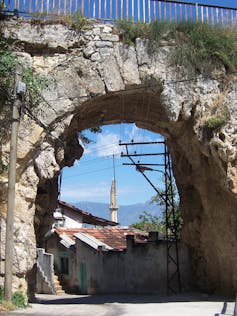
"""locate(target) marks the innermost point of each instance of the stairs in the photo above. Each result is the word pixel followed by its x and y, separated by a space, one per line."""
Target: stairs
pixel 47 282
pixel 57 286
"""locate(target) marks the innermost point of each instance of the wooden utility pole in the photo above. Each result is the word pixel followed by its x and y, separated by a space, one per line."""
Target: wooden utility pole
pixel 16 104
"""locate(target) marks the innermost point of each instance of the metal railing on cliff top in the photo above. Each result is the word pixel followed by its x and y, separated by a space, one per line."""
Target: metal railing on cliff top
pixel 136 10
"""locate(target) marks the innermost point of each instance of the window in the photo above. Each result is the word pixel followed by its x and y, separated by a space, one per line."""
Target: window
pixel 64 264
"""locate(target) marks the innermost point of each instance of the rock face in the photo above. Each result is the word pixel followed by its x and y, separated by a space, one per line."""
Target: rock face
pixel 98 80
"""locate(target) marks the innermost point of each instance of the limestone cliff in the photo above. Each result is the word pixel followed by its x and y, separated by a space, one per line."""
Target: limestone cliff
pixel 96 80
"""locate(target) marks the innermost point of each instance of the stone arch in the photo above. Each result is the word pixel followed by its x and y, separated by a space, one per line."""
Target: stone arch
pixel 98 80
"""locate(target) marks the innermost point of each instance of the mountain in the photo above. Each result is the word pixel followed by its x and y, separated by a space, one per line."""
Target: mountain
pixel 127 214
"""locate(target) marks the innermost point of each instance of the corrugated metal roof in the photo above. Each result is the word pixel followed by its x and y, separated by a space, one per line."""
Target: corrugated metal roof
pixel 66 240
pixel 92 241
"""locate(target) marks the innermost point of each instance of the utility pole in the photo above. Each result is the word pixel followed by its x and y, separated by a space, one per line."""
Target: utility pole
pixel 16 104
pixel 167 197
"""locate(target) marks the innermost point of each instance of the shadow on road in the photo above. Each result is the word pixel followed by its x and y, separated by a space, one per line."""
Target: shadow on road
pixel 123 298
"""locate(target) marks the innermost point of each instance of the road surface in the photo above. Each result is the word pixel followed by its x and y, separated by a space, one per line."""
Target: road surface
pixel 127 305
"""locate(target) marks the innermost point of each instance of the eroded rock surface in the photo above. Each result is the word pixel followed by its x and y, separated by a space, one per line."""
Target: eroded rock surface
pixel 96 80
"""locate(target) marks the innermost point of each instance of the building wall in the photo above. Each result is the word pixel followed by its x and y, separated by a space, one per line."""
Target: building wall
pixel 72 220
pixel 68 280
pixel 139 269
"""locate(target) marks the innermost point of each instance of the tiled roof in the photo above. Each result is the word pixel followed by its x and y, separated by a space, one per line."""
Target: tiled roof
pixel 86 216
pixel 113 237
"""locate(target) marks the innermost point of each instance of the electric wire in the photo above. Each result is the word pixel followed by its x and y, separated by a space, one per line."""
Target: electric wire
pixel 93 171
pixel 94 159
pixel 29 113
pixel 142 87
pixel 129 89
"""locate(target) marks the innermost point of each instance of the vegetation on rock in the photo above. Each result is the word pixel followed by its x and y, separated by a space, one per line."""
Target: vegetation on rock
pixel 34 82
pixel 130 31
pixel 195 42
pixel 215 122
pixel 77 21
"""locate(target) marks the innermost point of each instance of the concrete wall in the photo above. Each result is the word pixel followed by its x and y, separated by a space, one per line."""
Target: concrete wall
pixel 139 269
pixel 69 281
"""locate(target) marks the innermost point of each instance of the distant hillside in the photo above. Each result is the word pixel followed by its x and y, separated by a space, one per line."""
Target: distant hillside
pixel 127 214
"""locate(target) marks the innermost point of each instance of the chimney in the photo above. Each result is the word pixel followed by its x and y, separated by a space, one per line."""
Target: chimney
pixel 113 203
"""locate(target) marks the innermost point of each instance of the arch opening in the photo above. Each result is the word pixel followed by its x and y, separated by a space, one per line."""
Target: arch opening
pixel 189 163
pixel 133 204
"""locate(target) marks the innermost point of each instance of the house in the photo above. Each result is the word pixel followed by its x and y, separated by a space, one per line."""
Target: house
pixel 66 216
pixel 70 216
pixel 112 260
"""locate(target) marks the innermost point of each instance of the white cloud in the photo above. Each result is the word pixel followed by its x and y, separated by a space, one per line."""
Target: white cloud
pixel 140 135
pixel 107 144
pixel 77 192
pixel 99 192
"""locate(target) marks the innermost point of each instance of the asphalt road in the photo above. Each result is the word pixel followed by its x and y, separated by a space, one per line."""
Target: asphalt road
pixel 126 305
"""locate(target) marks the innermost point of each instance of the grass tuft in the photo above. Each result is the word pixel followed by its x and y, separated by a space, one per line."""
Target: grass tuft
pixel 197 44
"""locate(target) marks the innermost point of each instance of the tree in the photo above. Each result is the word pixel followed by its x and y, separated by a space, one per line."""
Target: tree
pixel 85 140
pixel 174 221
pixel 148 222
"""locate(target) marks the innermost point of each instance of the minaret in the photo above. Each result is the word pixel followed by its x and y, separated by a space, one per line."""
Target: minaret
pixel 113 203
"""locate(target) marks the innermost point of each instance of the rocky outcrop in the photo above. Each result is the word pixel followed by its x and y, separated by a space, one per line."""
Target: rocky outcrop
pixel 95 79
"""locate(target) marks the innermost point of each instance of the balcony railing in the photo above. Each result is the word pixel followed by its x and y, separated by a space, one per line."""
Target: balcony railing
pixel 136 10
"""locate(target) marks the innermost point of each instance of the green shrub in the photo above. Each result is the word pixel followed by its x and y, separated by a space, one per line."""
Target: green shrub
pixel 19 299
pixel 159 29
pixel 200 42
pixel 77 21
pixel 35 83
pixel 7 62
pixel 216 122
pixel 2 5
pixel 7 66
pixel 131 30
pixel 1 294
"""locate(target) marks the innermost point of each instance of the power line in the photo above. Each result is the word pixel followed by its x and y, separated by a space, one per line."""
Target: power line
pixel 142 87
pixel 40 123
pixel 98 158
pixel 93 171
pixel 28 112
pixel 97 148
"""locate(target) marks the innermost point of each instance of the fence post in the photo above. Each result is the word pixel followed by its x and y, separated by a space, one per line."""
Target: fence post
pixel 196 12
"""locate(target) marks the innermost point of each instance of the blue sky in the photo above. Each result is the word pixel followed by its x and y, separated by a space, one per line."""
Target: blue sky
pixel 90 178
pixel 227 3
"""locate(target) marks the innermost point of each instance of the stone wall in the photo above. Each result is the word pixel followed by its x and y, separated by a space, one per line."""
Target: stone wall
pixel 96 80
